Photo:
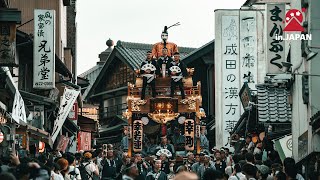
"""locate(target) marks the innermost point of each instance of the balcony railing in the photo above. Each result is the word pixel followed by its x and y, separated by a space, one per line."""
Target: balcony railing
pixel 163 88
pixel 112 111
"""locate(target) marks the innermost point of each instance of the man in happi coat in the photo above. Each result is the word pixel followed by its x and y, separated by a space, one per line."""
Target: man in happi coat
pixel 177 70
pixel 156 173
pixel 148 71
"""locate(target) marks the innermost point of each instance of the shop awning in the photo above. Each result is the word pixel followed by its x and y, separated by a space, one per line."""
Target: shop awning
pixel 109 139
pixel 315 122
pixel 38 99
pixel 241 126
pixel 87 124
pixel 35 133
pixel 70 127
pixel 111 129
pixel 279 134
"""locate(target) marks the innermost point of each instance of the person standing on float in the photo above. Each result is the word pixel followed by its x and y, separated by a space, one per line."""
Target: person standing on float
pixel 157 48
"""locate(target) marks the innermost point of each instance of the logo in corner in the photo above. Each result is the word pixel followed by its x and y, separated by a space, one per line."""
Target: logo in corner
pixel 294 20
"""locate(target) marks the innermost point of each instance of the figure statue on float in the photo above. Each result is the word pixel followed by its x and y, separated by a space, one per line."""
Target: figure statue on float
pixel 172 47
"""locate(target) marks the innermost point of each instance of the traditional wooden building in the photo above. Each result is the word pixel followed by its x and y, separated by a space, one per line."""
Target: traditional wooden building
pixel 42 106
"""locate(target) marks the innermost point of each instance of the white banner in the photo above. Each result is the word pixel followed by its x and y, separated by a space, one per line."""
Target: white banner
pixel 230 75
pixel 18 109
pixel 44 49
pixel 284 147
pixel 68 99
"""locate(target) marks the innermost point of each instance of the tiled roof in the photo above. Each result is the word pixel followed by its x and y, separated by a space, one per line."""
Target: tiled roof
pixel 135 53
pixel 89 71
pixel 199 52
pixel 273 105
pixel 91 75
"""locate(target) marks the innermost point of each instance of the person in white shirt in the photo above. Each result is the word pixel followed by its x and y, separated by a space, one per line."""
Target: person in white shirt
pixel 55 172
pixel 237 174
pixel 74 172
pixel 90 167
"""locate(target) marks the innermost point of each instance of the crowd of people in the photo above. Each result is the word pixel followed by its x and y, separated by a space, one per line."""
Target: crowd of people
pixel 111 164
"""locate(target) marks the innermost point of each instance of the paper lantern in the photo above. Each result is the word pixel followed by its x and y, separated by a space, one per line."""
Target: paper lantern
pixel 42 146
pixel 145 120
pixel 181 119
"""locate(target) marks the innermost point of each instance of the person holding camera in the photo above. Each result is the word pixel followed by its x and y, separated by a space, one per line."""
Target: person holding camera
pixel 109 170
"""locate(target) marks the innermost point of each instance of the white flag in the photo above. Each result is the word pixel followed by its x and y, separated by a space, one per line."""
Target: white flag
pixel 66 104
pixel 18 109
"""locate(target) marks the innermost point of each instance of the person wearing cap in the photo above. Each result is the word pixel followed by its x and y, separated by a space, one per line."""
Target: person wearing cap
pixel 190 160
pixel 156 173
pixel 177 76
pixel 158 47
pixel 164 62
pixel 149 75
pixel 90 167
pixel 263 172
pixel 130 172
pixel 109 170
pixel 207 164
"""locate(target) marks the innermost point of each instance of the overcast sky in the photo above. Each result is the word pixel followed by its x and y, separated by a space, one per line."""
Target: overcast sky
pixel 142 21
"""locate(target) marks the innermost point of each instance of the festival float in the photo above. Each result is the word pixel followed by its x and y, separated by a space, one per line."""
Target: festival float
pixel 163 108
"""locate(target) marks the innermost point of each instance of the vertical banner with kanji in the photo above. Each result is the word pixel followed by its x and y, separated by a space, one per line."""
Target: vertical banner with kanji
pixel 189 134
pixel 84 141
pixel 248 48
pixel 275 48
pixel 7 43
pixel 73 114
pixel 230 75
pixel 18 109
pixel 68 99
pixel 137 135
pixel 62 143
pixel 44 49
